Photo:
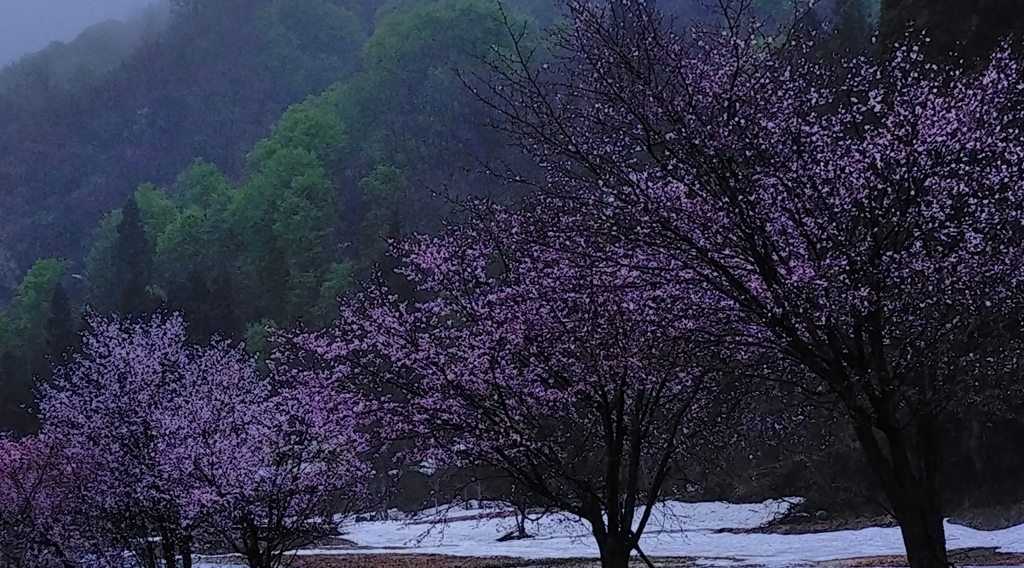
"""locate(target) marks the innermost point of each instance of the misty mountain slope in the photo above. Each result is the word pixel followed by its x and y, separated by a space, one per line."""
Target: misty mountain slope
pixel 254 233
pixel 27 27
pixel 211 86
pixel 80 63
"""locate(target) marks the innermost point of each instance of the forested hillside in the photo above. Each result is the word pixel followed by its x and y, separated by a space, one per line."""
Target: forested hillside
pixel 244 163
pixel 179 182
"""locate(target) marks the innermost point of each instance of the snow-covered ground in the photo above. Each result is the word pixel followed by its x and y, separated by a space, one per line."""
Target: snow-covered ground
pixel 677 529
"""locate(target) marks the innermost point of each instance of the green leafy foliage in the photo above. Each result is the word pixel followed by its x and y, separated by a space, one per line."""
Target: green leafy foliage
pixel 309 126
pixel 31 305
pixel 99 264
pixel 272 236
pixel 201 184
pixel 384 189
pixel 336 284
pixel 284 217
pixel 133 259
pixel 310 43
pixel 38 326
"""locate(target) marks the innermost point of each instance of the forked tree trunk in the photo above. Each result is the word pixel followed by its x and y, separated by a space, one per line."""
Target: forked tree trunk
pixel 521 523
pixel 255 556
pixel 149 555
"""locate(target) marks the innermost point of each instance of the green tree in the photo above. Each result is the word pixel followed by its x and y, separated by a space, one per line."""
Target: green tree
pixel 156 209
pixel 6 330
pixel 310 44
pixel 133 259
pixel 201 185
pixel 410 116
pixel 15 393
pixel 384 190
pixel 101 276
pixel 27 333
pixel 286 218
pixel 188 243
pixel 30 308
pixel 61 325
pixel 311 126
pixel 337 283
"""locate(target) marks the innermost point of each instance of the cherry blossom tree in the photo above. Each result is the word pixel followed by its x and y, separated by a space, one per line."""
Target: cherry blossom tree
pixel 113 405
pixel 281 485
pixel 193 446
pixel 581 381
pixel 864 223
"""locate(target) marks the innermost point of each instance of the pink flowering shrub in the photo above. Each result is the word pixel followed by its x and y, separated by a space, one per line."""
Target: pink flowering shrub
pixel 192 447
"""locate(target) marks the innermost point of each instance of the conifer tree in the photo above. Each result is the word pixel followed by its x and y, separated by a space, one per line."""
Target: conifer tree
pixel 133 261
pixel 60 326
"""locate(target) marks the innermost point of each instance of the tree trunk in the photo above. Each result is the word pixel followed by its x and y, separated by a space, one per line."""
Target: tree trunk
pixel 259 559
pixel 186 552
pixel 923 535
pixel 167 545
pixel 913 492
pixel 148 555
pixel 254 554
pixel 615 550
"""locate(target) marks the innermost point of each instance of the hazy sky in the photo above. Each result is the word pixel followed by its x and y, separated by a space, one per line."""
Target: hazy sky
pixel 29 25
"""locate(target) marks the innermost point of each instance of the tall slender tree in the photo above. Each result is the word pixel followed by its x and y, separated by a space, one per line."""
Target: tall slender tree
pixel 61 326
pixel 133 259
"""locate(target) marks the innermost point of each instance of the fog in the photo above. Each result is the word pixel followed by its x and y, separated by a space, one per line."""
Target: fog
pixel 29 25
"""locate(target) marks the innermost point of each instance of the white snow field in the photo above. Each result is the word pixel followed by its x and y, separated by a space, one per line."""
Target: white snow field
pixel 676 530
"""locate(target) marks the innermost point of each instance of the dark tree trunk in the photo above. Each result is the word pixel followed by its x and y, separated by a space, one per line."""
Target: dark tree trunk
pixel 251 540
pixel 521 523
pixel 186 552
pixel 912 492
pixel 923 535
pixel 148 555
pixel 167 546
pixel 615 550
pixel 258 559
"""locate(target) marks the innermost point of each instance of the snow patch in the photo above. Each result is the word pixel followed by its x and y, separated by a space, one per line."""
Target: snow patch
pixel 676 529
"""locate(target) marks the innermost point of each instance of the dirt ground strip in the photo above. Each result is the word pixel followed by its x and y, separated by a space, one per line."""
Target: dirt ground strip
pixel 960 557
pixel 812 526
pixel 436 561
